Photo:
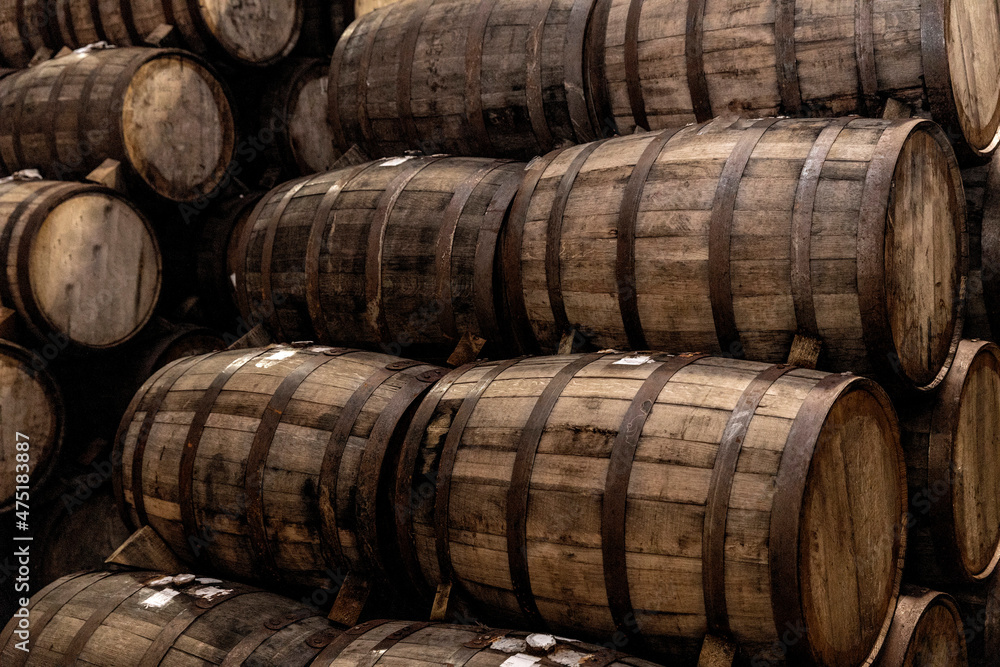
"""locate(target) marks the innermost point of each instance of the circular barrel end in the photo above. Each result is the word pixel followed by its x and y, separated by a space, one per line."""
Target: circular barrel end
pixel 254 32
pixel 178 127
pixel 972 34
pixel 927 629
pixel 925 256
pixel 95 269
pixel 850 533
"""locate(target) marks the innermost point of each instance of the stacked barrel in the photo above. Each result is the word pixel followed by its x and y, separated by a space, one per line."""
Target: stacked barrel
pixel 669 325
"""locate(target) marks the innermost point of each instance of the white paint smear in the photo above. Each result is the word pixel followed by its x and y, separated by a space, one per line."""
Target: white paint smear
pixel 396 161
pixel 632 361
pixel 520 660
pixel 509 645
pixel 160 598
pixel 274 358
pixel 544 642
pixel 209 592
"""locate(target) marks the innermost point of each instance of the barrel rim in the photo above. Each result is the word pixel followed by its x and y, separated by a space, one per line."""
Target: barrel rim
pixel 897 642
pixel 791 483
pixel 943 432
pixel 278 103
pixel 878 186
pixel 34 222
pixel 55 394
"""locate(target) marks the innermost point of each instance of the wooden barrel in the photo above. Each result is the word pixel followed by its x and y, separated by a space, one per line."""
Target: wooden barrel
pixel 160 112
pixel 667 63
pixel 110 619
pixel 952 445
pixel 216 255
pixel 323 23
pixel 979 604
pixel 395 253
pixel 267 462
pixel 294 109
pixel 362 7
pixel 33 407
pixel 926 631
pixel 248 33
pixel 663 498
pixel 83 264
pixel 468 78
pixel 735 235
pixel 982 193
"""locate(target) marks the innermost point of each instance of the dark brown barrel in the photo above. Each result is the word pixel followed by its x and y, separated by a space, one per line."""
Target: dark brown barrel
pixel 160 112
pixel 249 33
pixel 110 619
pixel 667 63
pixel 979 604
pixel 323 23
pixel 33 407
pixel 143 619
pixel 733 236
pixel 503 79
pixel 216 258
pixel 982 195
pixel 952 444
pixel 662 498
pixel 82 263
pixel 396 253
pixel 926 631
pixel 266 463
pixel 294 109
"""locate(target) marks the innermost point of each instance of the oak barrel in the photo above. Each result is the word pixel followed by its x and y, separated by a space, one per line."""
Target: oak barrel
pixel 82 263
pixel 323 23
pixel 109 619
pixel 33 407
pixel 397 253
pixel 160 112
pixel 267 462
pixel 294 108
pixel 215 255
pixel 488 78
pixel 664 63
pixel 735 235
pixel 982 194
pixel 979 604
pixel 952 445
pixel 260 32
pixel 927 631
pixel 663 498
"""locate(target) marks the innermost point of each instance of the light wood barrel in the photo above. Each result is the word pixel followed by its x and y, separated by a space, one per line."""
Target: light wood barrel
pixel 982 194
pixel 735 235
pixel 160 112
pixel 488 78
pixel 260 32
pixel 397 253
pixel 107 619
pixel 663 498
pixel 926 631
pixel 32 406
pixel 267 462
pixel 668 63
pixel 82 263
pixel 294 108
pixel 952 444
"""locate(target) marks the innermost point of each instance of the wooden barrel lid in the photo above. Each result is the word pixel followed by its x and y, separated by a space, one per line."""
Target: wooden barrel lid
pixel 925 253
pixel 849 526
pixel 309 130
pixel 927 631
pixel 973 43
pixel 94 269
pixel 32 406
pixel 256 32
pixel 177 126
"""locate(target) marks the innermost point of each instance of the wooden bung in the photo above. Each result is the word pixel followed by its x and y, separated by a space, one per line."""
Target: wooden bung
pixel 926 630
pixel 82 263
pixel 148 618
pixel 267 462
pixel 952 445
pixel 160 112
pixel 251 32
pixel 660 498
pixel 736 235
pixel 33 407
pixel 982 195
pixel 397 253
pixel 667 63
pixel 488 78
